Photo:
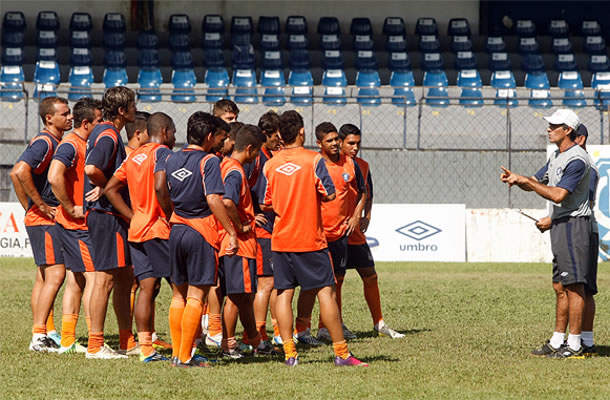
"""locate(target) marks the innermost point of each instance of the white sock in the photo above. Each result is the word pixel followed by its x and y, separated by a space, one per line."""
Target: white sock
pixel 557 339
pixel 574 342
pixel 587 338
pixel 36 336
pixel 154 337
pixel 379 324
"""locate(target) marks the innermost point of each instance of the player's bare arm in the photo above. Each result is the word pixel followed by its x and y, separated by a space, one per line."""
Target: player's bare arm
pixel 234 216
pixel 23 173
pixel 112 192
pixel 220 212
pixel 19 191
pixel 329 197
pixel 162 193
pixel 96 176
pixel 57 180
pixel 260 220
pixel 554 194
pixel 354 221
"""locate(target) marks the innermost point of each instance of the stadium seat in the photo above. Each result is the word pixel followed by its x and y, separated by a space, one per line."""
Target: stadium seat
pixel 269 25
pixel 559 28
pixel 363 42
pixel 565 62
pixel 272 60
pixel 469 80
pixel 11 82
pixel 241 25
pixel 334 82
pixel 399 61
pixel 499 62
pixel 525 28
pixel 115 73
pixel 244 81
pixel 297 41
pixel 571 82
pixel 148 58
pixel 183 80
pixel 114 40
pixel 12 56
pixel 429 44
pixel 14 21
pixel 330 42
pixel 329 26
pixel 396 43
pixel 299 60
pixel 273 81
pixel 114 22
pixel 601 83
pixel 436 82
pixel 47 21
pixel 595 45
pixel 432 61
pixel 590 28
pixel 243 57
pixel 13 38
pixel 532 62
pixel 332 59
pixel 365 60
pixel 540 95
pixel 561 46
pixel 296 25
pixel 212 40
pixel 241 39
pixel 458 27
pixel 80 79
pixel 46 54
pixel 528 45
pixel 46 39
pixel 402 82
pixel 394 26
pixel 217 81
pixel 81 57
pixel 212 23
pixel 182 60
pixel 179 41
pixel 150 80
pixel 465 60
pixel 426 26
pixel 301 82
pixel 46 78
pixel 505 85
pixel 361 26
pixel 368 83
pixel 81 22
pixel 213 58
pixel 598 63
pixel 179 23
pixel 80 39
pixel 270 41
pixel 461 43
pixel 495 44
pixel 147 40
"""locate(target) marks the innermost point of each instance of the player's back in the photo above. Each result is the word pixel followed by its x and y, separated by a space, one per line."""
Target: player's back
pixel 74 154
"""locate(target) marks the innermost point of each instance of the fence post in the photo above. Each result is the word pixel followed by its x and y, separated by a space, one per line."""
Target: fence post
pixel 26 99
pixel 404 125
pixel 509 148
pixel 419 115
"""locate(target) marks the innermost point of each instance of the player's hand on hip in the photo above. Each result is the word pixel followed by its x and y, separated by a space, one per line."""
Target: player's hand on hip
pixel 233 245
pixel 260 220
pixel 94 194
pixel 48 210
pixel 364 224
pixel 77 212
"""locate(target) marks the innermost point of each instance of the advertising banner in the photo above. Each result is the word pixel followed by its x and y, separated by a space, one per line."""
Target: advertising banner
pixel 14 241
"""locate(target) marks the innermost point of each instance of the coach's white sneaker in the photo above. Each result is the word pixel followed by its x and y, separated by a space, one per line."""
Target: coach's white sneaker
pixel 213 341
pixel 104 353
pixel 383 330
pixel 43 344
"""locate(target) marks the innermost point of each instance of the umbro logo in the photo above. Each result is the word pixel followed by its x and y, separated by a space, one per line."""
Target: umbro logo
pixel 140 158
pixel 288 169
pixel 182 174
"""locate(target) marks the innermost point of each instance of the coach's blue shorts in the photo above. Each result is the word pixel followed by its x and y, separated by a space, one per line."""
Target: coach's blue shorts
pixel 77 249
pixel 359 256
pixel 309 270
pixel 150 259
pixel 46 244
pixel 338 253
pixel 109 239
pixel 192 259
pixel 264 266
pixel 237 275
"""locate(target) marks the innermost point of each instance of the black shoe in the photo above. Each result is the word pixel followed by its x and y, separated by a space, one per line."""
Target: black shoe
pixel 44 344
pixel 589 351
pixel 566 352
pixel 545 350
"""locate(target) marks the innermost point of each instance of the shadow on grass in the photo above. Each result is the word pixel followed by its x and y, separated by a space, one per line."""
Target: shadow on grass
pixel 371 359
pixel 603 351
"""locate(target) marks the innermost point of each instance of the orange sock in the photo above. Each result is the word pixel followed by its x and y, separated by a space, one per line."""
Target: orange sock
pixel 301 324
pixel 290 349
pixel 145 339
pixel 276 327
pixel 96 341
pixel 68 329
pixel 190 320
pixel 253 342
pixel 373 299
pixel 126 339
pixel 199 331
pixel 340 349
pixel 261 327
pixel 176 309
pixel 50 322
pixel 39 329
pixel 214 324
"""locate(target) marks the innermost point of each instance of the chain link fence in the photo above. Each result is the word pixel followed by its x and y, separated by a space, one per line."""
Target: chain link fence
pixel 419 153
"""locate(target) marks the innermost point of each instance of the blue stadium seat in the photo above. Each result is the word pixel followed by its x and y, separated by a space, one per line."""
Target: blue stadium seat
pixel 432 61
pixel 301 82
pixel 332 59
pixel 461 43
pixel 80 39
pixel 329 26
pixel 46 78
pixel 402 82
pixel 296 25
pixel 81 57
pixel 273 81
pixel 179 41
pixel 469 80
pixel 241 38
pixel 495 44
pixel 241 25
pixel 334 82
pixel 213 58
pixel 114 22
pixel 528 45
pixel 81 22
pixel 12 56
pixel 458 27
pixel 182 60
pixel 11 81
pixel 598 63
pixel 46 54
pixel 363 42
pixel 269 25
pixel 426 26
pixel 114 40
pixel 399 61
pixel 365 60
pixel 147 40
pixel 561 46
pixel 13 38
pixel 179 23
pixel 115 59
pixel 394 26
pixel 80 79
pixel 299 60
pixel 465 60
pixel 272 60
pixel 46 39
pixel 14 21
pixel 297 41
pixel 505 85
pixel 212 23
pixel 565 62
pixel 115 76
pixel 243 57
pixel 212 40
pixel 244 81
pixel 396 43
pixel 540 95
pixel 47 21
pixel 429 44
pixel 183 80
pixel 571 82
pixel 601 83
pixel 330 42
pixel 559 28
pixel 368 83
pixel 499 62
pixel 525 28
pixel 148 58
pixel 436 82
pixel 270 41
pixel 361 26
pixel 217 81
pixel 150 80
pixel 590 28
pixel 595 45
pixel 532 62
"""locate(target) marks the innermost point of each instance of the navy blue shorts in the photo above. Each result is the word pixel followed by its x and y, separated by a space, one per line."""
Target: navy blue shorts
pixel 192 259
pixel 309 270
pixel 237 275
pixel 264 266
pixel 77 249
pixel 338 253
pixel 359 256
pixel 591 271
pixel 109 239
pixel 150 259
pixel 46 244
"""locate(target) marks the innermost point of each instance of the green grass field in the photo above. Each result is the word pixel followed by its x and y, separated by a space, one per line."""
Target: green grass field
pixel 469 330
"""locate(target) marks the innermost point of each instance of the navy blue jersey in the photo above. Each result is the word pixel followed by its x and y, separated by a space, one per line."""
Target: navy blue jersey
pixel 258 189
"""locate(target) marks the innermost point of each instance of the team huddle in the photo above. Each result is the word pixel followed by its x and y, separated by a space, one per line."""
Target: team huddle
pixel 234 221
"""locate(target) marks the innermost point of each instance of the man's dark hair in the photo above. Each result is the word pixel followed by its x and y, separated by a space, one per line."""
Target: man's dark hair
pixel 249 135
pixel 84 109
pixel 291 123
pixel 323 129
pixel 224 106
pixel 269 122
pixel 157 122
pixel 235 127
pixel 140 124
pixel 47 106
pixel 115 98
pixel 201 124
pixel 348 129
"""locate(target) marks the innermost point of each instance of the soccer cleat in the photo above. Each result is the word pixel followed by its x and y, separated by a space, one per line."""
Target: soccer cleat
pixel 199 358
pixel 292 361
pixel 589 351
pixel 213 341
pixel 44 344
pixel 350 361
pixel 159 343
pixel 385 330
pixel 324 335
pixel 192 363
pixel 235 353
pixel 566 352
pixel 54 336
pixel 545 350
pixel 73 348
pixel 104 353
pixel 277 340
pixel 347 334
pixel 153 357
pixel 134 351
pixel 266 349
pixel 306 338
pixel 245 348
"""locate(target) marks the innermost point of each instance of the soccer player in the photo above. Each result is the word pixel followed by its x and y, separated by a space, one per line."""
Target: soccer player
pixel 226 110
pixel 29 177
pixel 297 182
pixel 358 252
pixel 195 188
pixel 564 181
pixel 136 131
pixel 66 177
pixel 107 228
pixel 144 175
